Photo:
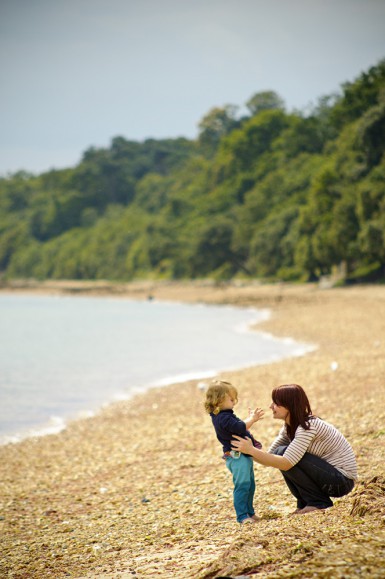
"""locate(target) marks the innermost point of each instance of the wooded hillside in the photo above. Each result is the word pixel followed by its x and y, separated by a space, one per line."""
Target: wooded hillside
pixel 271 195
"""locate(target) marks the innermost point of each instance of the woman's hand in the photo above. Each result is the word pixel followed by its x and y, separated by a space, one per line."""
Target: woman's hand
pixel 242 444
pixel 245 446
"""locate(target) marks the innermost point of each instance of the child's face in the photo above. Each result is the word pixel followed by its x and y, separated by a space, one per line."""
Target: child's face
pixel 233 395
pixel 228 402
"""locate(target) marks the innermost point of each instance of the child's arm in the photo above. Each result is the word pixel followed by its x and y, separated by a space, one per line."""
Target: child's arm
pixel 254 416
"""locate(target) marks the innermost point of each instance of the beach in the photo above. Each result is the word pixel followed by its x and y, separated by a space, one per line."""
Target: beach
pixel 140 490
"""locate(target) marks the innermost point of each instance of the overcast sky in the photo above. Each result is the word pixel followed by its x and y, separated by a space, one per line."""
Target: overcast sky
pixel 76 73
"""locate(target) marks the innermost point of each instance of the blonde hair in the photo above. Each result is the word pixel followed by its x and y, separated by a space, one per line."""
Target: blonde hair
pixel 216 393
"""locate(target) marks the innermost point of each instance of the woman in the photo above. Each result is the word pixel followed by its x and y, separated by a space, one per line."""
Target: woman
pixel 315 459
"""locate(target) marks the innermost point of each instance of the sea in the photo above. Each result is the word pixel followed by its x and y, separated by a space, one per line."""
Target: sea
pixel 65 357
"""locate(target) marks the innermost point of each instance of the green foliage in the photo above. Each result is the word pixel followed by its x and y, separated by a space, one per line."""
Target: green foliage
pixel 212 247
pixel 270 245
pixel 358 96
pixel 273 195
pixel 264 101
pixel 217 123
pixel 371 132
pixel 242 149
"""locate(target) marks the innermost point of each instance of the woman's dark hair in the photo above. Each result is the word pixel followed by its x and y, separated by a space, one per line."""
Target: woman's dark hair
pixel 293 397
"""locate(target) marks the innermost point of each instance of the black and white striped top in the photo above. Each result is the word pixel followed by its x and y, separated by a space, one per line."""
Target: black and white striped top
pixel 323 440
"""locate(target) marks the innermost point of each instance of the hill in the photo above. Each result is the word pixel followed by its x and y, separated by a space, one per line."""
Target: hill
pixel 272 195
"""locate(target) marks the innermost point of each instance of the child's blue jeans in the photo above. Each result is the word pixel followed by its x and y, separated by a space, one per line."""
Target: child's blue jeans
pixel 244 485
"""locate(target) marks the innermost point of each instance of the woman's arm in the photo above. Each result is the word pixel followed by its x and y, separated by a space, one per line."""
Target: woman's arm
pixel 245 446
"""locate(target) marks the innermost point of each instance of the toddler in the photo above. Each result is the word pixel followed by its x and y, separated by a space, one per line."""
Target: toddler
pixel 221 398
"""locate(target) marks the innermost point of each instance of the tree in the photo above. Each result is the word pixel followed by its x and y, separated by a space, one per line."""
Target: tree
pixel 371 133
pixel 265 101
pixel 268 251
pixel 217 123
pixel 213 247
pixel 273 194
pixel 303 135
pixel 359 95
pixel 372 241
pixel 241 150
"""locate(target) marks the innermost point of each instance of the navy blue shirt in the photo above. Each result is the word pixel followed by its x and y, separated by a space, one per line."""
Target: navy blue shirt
pixel 226 423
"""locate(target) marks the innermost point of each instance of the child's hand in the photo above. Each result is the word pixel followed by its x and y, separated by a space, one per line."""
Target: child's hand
pixel 256 414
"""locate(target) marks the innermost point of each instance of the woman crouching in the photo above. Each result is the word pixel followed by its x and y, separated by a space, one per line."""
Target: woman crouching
pixel 315 459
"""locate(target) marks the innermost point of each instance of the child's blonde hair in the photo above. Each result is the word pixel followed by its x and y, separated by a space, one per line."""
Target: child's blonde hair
pixel 216 393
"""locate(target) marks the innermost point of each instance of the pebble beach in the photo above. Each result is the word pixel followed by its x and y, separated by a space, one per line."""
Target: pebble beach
pixel 140 490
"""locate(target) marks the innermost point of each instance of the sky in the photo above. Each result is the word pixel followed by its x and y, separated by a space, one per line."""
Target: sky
pixel 77 73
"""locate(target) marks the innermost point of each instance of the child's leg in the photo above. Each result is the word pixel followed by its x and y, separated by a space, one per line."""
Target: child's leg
pixel 250 503
pixel 240 469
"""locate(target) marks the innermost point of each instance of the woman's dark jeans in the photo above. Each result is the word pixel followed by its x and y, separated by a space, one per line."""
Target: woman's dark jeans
pixel 313 481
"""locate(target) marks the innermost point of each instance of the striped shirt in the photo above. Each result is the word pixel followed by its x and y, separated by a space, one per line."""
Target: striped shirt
pixel 323 440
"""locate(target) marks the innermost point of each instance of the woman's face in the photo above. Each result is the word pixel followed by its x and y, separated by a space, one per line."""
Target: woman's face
pixel 280 412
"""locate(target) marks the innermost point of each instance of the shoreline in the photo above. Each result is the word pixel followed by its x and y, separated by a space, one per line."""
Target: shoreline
pixel 58 422
pixel 140 490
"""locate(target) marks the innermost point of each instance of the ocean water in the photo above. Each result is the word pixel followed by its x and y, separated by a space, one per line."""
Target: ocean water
pixel 65 357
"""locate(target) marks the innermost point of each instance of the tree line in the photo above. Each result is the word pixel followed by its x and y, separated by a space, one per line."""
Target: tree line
pixel 269 195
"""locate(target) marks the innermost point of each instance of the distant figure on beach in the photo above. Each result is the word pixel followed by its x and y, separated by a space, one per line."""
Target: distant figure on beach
pixel 221 398
pixel 315 459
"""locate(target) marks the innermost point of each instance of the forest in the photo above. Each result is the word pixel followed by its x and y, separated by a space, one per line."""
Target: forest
pixel 271 195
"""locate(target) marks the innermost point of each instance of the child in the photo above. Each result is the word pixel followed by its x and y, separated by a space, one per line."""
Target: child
pixel 221 398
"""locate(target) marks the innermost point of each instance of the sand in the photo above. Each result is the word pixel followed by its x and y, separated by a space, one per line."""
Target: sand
pixel 140 490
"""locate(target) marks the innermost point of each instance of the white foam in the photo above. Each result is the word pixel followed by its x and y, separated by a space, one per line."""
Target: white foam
pixel 207 338
pixel 55 425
